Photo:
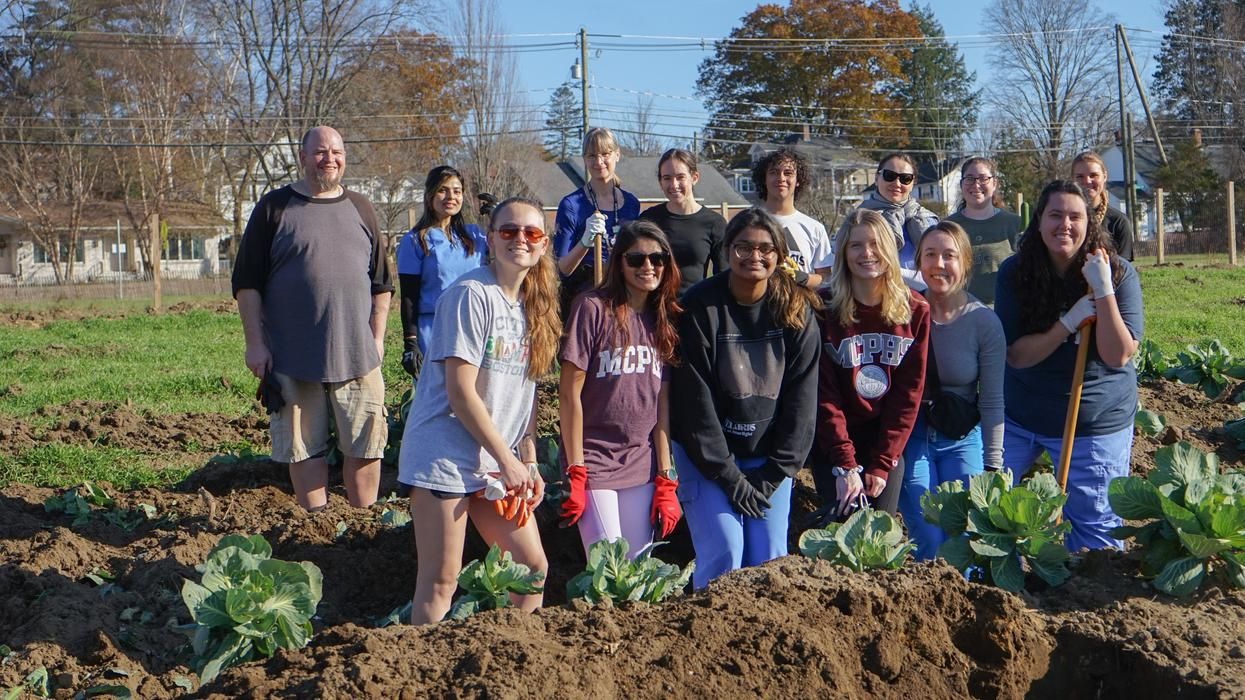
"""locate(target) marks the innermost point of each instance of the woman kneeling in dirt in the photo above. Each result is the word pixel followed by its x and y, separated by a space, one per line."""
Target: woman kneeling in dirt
pixel 613 398
pixel 469 450
pixel 743 400
pixel 1066 275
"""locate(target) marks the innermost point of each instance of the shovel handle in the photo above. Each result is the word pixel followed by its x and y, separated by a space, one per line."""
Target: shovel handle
pixel 1074 406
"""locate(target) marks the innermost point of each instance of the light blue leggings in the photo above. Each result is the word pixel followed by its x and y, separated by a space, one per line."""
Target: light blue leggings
pixel 725 540
pixel 1096 460
pixel 932 459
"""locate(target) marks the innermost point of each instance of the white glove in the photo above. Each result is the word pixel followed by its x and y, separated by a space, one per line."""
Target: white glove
pixel 1097 272
pixel 595 227
pixel 494 489
pixel 1083 310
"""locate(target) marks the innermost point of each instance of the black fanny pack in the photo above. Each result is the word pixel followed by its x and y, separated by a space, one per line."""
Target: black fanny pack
pixel 951 414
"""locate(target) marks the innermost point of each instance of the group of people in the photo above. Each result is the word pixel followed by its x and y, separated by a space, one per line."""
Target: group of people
pixel 711 362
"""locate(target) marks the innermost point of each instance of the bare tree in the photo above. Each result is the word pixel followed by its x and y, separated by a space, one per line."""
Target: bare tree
pixel 636 133
pixel 1053 81
pixel 501 133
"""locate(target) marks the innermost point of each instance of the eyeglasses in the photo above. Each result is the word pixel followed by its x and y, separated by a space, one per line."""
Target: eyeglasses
pixel 531 234
pixel 636 260
pixel 971 180
pixel 743 251
pixel 891 176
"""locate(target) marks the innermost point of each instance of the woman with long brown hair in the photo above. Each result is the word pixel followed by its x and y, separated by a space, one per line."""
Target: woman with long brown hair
pixel 743 399
pixel 1090 172
pixel 614 397
pixel 468 452
pixel 1066 274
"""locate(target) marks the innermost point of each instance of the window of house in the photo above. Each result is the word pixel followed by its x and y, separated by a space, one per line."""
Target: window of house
pixel 43 256
pixel 746 186
pixel 183 247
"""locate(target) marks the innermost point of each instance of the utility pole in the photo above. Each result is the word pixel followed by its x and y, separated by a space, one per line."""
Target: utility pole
pixel 1141 90
pixel 583 75
pixel 1126 137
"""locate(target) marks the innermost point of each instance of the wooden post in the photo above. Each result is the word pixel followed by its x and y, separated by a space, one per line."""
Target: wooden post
pixel 726 211
pixel 1231 223
pixel 1158 225
pixel 155 262
pixel 411 217
pixel 1020 201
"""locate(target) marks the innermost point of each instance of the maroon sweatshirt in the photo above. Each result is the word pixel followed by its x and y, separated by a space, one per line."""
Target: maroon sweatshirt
pixel 869 387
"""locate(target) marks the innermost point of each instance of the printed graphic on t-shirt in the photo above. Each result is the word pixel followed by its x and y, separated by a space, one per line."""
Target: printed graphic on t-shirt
pixel 633 359
pixel 871 381
pixel 505 349
pixel 794 251
pixel 751 367
pixel 869 349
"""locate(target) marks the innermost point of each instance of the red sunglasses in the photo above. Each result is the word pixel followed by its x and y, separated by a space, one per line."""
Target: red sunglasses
pixel 531 234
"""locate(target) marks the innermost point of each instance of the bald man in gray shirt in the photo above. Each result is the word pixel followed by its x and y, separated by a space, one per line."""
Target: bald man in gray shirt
pixel 313 288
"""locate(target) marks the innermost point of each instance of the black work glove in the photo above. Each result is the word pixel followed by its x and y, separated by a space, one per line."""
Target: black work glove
pixel 744 497
pixel 412 358
pixel 268 394
pixel 767 479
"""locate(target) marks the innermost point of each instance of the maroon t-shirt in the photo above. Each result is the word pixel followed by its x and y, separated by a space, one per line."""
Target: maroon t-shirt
pixel 619 396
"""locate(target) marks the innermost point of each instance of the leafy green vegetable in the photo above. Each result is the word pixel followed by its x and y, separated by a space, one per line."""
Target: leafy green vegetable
pixel 397 616
pixel 1150 361
pixel 610 575
pixel 248 605
pixel 1196 519
pixel 1149 422
pixel 79 502
pixel 548 461
pixel 397 427
pixel 868 539
pixel 72 504
pixel 487 584
pixel 1208 365
pixel 996 529
pixel 395 513
pixel 1235 430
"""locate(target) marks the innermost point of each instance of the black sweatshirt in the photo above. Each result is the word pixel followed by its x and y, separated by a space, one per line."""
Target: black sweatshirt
pixel 747 387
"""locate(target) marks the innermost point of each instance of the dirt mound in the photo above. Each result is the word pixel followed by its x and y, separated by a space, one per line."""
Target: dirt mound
pixel 1189 416
pixel 119 425
pixel 39 317
pixel 813 631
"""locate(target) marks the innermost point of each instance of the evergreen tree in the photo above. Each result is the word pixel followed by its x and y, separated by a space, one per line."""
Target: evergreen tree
pixel 563 124
pixel 937 93
pixel 1189 75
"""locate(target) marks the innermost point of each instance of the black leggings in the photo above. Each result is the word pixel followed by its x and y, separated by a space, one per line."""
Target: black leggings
pixel 888 500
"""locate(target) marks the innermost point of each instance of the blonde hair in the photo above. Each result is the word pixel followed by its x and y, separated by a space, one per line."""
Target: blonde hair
pixel 1091 157
pixel 963 248
pixel 540 299
pixel 789 303
pixel 601 140
pixel 895 307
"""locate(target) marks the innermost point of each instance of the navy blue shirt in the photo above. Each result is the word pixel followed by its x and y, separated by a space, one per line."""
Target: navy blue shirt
pixel 1036 397
pixel 573 213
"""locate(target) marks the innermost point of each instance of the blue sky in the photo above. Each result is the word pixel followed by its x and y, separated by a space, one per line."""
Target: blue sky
pixel 619 75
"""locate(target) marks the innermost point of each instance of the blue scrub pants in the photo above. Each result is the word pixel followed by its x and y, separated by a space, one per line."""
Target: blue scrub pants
pixel 725 540
pixel 932 459
pixel 1096 460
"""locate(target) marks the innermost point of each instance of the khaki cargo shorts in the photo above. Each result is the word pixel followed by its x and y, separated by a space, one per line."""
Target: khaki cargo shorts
pixel 356 407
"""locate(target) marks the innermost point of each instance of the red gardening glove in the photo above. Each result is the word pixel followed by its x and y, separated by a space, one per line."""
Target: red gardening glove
pixel 577 499
pixel 665 513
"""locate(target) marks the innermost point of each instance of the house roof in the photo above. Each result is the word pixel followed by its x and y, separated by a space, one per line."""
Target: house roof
pixel 822 152
pixel 551 181
pixel 106 213
pixel 1222 158
pixel 927 171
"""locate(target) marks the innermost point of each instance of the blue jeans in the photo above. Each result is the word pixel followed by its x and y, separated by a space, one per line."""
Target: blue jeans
pixel 932 459
pixel 725 540
pixel 1096 460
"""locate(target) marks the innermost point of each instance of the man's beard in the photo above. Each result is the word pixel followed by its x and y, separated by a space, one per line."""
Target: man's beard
pixel 328 182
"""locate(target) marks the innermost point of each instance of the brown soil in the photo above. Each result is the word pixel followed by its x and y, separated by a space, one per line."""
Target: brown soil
pixel 37 318
pixel 791 628
pixel 119 425
pixel 1190 417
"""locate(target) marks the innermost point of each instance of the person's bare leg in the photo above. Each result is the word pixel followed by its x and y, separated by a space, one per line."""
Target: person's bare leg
pixel 310 479
pixel 440 527
pixel 522 543
pixel 362 480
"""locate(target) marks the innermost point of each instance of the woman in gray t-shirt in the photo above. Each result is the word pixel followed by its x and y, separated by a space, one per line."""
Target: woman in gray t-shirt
pixel 968 352
pixel 613 399
pixel 468 451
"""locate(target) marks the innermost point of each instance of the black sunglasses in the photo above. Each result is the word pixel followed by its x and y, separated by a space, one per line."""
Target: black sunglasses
pixel 891 176
pixel 636 260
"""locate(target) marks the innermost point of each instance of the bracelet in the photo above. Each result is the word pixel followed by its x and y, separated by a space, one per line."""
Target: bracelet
pixel 841 472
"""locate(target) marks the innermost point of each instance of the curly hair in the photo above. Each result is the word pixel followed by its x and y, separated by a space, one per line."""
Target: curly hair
pixel 540 299
pixel 789 302
pixel 1042 293
pixel 663 301
pixel 782 155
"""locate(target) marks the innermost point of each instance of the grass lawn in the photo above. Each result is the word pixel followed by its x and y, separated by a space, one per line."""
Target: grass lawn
pixel 1189 301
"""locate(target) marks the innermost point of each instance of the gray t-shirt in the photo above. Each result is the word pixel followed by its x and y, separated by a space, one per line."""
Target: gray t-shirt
pixel 993 240
pixel 972 353
pixel 316 263
pixel 619 398
pixel 476 323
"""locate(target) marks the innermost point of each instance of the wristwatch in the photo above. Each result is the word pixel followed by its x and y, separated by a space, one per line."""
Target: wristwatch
pixel 841 472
